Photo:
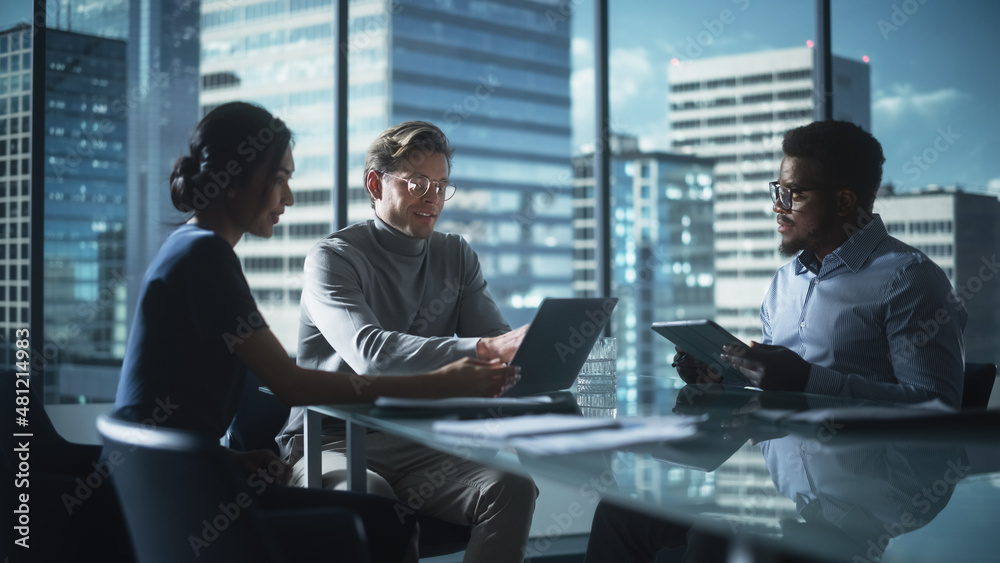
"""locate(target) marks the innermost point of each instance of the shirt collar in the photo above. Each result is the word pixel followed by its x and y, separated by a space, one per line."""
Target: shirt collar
pixel 853 253
pixel 396 242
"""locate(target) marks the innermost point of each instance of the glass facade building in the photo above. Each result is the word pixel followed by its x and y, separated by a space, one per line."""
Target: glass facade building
pixel 84 243
pixel 934 220
pixel 662 247
pixel 493 75
pixel 15 182
pixel 736 109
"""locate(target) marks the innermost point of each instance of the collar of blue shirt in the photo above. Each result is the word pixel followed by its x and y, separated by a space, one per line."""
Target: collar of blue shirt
pixel 853 253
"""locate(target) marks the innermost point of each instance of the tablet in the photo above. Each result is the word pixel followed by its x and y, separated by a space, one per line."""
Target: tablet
pixel 704 340
pixel 558 342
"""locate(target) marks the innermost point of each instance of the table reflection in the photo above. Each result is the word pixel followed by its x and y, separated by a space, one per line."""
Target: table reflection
pixel 852 497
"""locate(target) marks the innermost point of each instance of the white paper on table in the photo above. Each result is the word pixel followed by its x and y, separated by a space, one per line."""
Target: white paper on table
pixel 505 428
pixel 932 408
pixel 398 402
pixel 632 431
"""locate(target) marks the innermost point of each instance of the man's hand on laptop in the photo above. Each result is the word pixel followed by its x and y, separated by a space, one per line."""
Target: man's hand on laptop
pixel 770 367
pixel 692 371
pixel 500 347
pixel 474 378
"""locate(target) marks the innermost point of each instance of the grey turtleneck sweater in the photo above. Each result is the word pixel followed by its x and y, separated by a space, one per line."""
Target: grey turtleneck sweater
pixel 375 301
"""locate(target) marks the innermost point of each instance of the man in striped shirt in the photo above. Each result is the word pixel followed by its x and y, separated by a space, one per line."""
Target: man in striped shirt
pixel 857 313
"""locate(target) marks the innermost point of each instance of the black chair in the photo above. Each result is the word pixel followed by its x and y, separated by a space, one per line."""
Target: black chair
pixel 72 512
pixel 185 501
pixel 261 416
pixel 979 381
pixel 258 419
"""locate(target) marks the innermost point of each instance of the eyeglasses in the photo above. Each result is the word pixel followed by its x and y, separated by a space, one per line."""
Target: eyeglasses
pixel 782 196
pixel 419 186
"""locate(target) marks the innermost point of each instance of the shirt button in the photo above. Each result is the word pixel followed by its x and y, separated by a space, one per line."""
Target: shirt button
pixel 802 324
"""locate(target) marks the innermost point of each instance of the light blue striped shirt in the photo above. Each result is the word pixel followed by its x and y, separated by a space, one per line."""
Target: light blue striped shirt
pixel 878 320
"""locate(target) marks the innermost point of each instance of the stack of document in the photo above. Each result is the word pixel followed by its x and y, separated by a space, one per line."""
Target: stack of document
pixel 564 434
pixel 452 402
pixel 928 419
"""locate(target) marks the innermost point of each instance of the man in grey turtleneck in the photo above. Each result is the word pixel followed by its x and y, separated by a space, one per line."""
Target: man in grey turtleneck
pixel 392 296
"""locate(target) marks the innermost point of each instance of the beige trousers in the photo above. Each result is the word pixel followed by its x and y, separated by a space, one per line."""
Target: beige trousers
pixel 496 504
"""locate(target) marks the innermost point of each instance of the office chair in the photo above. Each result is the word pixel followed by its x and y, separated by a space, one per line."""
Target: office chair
pixel 979 380
pixel 72 512
pixel 261 416
pixel 185 501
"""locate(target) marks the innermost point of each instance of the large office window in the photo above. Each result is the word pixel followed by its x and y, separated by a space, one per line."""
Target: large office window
pixel 934 111
pixel 701 94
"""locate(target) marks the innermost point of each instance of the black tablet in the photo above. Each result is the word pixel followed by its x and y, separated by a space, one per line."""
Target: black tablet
pixel 704 340
pixel 558 342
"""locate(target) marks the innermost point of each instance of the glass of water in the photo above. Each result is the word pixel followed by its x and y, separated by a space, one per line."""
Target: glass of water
pixel 597 385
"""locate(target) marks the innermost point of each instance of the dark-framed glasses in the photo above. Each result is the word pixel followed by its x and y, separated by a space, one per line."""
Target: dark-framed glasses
pixel 418 186
pixel 782 196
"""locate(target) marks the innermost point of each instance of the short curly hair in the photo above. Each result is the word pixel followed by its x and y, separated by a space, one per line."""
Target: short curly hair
pixel 403 142
pixel 850 157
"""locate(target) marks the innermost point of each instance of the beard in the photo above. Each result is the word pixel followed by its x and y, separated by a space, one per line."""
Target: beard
pixel 819 237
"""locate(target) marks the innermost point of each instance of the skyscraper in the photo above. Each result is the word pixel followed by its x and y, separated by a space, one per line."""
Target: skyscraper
pixel 160 110
pixel 500 91
pixel 736 109
pixel 936 221
pixel 84 185
pixel 662 246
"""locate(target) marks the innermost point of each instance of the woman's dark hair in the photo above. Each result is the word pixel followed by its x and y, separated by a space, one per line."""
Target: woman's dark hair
pixel 227 147
pixel 849 157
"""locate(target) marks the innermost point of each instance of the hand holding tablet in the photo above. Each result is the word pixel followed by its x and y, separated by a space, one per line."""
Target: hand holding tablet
pixel 699 344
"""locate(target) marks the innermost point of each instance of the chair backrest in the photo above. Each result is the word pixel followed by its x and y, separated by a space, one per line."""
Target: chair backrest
pixel 182 496
pixel 258 419
pixel 979 380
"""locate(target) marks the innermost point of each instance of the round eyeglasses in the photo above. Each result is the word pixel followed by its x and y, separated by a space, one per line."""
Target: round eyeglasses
pixel 418 186
pixel 782 196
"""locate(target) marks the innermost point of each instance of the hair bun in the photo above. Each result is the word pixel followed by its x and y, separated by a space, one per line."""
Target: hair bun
pixel 188 167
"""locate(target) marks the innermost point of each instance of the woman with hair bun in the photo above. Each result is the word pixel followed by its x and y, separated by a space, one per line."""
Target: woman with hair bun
pixel 197 328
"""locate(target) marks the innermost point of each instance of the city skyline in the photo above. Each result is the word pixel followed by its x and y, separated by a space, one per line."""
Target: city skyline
pixel 923 92
pixel 490 217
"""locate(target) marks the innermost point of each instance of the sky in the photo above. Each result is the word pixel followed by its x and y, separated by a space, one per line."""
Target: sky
pixel 934 75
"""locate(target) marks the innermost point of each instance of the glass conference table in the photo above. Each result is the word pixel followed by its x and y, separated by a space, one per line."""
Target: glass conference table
pixel 770 471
